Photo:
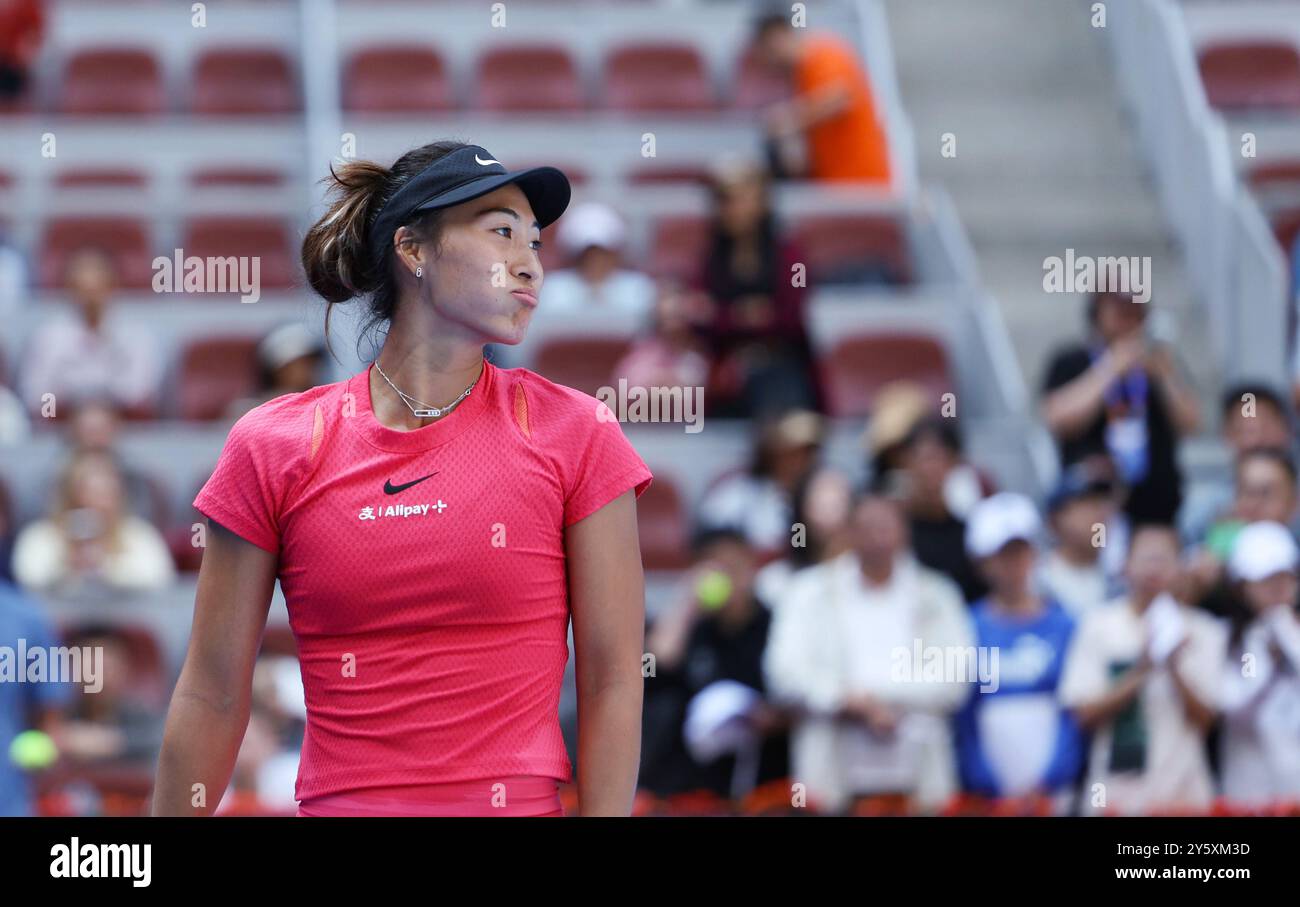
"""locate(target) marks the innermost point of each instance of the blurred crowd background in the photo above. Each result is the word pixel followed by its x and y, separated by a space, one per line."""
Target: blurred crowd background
pixel 838 227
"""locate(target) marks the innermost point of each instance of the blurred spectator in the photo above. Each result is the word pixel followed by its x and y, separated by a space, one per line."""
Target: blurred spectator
pixel 1253 415
pixel 91 542
pixel 1260 741
pixel 1013 738
pixel 593 236
pixel 266 767
pixel 94 428
pixel 289 361
pixel 1119 393
pixel 24 706
pixel 1082 514
pixel 898 407
pixel 116 723
pixel 88 355
pixel 937 490
pixel 727 739
pixel 22 27
pixel 819 524
pixel 1266 491
pixel 671 356
pixel 862 728
pixel 1143 676
pixel 833 109
pixel 762 358
pixel 758 501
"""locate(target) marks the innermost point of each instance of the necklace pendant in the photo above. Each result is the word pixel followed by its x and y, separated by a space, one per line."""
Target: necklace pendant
pixel 427 413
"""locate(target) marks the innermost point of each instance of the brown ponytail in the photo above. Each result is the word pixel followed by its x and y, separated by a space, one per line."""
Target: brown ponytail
pixel 336 253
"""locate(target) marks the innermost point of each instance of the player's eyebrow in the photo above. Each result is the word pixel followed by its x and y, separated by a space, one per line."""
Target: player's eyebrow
pixel 511 211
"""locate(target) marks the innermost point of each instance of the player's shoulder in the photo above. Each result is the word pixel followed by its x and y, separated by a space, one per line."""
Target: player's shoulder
pixel 550 402
pixel 287 422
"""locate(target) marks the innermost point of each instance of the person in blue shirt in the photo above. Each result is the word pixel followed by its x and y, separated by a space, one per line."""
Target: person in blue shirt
pixel 1013 739
pixel 24 705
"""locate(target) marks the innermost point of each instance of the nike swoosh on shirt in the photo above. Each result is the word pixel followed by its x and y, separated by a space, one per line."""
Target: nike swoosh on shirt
pixel 390 488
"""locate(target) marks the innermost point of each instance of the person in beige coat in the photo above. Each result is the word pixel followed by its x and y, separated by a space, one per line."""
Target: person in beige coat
pixel 875 652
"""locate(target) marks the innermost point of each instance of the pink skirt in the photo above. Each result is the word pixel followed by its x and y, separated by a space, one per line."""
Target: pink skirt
pixel 518 795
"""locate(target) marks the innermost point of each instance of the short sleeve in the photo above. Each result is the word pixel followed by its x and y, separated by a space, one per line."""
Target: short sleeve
pixel 606 466
pixel 1083 679
pixel 1203 663
pixel 246 488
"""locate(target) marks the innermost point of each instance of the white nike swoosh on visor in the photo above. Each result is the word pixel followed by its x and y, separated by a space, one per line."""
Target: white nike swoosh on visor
pixel 480 160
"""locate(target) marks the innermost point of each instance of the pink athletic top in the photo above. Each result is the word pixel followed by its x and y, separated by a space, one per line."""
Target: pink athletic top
pixel 424 571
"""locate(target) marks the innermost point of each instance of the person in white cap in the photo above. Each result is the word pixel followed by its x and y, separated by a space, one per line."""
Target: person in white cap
pixel 1260 744
pixel 1014 739
pixel 593 236
pixel 1143 675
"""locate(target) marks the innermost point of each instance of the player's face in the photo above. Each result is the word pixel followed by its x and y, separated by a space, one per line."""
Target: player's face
pixel 485 276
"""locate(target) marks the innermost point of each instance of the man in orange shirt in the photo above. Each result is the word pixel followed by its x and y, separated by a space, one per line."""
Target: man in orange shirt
pixel 832 107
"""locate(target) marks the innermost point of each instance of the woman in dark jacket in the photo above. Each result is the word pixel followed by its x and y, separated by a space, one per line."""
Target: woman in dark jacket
pixel 762 360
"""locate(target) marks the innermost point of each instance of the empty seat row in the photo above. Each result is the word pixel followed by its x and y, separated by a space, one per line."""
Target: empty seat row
pixel 522 78
pixel 234 176
pixel 1245 75
pixel 837 247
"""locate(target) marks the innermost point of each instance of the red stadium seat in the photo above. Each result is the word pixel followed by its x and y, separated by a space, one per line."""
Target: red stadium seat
pixel 100 177
pixel 266 239
pixel 214 372
pixel 397 79
pixel 117 81
pixel 858 366
pixel 756 86
pixel 662 526
pixel 1243 75
pixel 527 78
pixel 584 363
pixel 853 248
pixel 124 239
pixel 236 176
pixel 1281 173
pixel 657 77
pixel 242 80
pixel 1286 225
pixel 678 245
pixel 187 556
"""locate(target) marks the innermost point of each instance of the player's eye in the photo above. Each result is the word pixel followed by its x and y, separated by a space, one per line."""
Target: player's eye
pixel 536 244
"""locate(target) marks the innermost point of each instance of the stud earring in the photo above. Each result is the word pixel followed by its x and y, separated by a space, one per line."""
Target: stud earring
pixel 419 272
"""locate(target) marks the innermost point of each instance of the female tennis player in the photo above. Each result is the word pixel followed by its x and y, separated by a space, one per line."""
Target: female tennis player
pixel 434 521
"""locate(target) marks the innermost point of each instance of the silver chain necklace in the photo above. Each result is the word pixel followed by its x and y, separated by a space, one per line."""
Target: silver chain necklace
pixel 427 412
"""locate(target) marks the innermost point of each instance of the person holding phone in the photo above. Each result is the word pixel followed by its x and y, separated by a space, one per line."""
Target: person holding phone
pixel 1120 393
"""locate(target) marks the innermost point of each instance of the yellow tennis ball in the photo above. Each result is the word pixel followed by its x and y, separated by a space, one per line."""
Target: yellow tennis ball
pixel 32 750
pixel 713 589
